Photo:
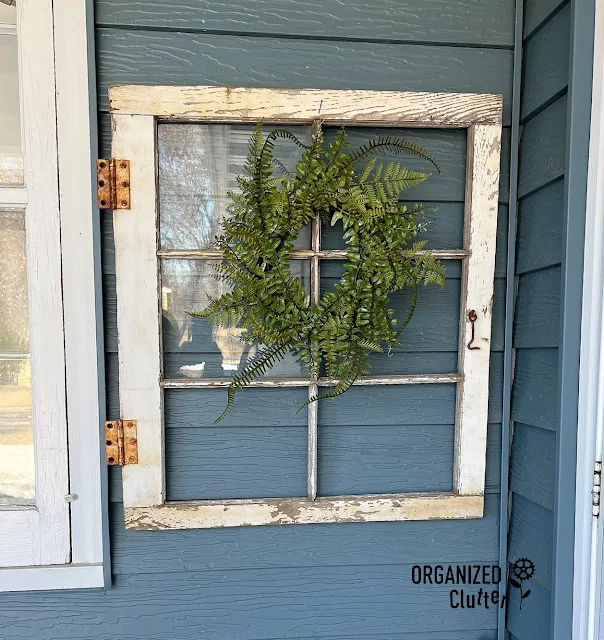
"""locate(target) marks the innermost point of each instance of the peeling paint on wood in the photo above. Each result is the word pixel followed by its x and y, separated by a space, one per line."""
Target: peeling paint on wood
pixel 447 378
pixel 242 513
pixel 480 232
pixel 242 104
pixel 301 254
pixel 138 314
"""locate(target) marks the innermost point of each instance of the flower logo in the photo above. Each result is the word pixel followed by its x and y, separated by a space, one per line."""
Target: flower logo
pixel 522 570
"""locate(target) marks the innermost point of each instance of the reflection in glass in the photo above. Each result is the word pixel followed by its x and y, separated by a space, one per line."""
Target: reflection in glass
pixel 198 166
pixel 193 347
pixel 11 153
pixel 17 475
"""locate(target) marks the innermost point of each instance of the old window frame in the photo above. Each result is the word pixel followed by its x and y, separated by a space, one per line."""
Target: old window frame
pixel 135 112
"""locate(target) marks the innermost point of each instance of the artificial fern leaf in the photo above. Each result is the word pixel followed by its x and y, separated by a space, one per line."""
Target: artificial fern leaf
pixel 269 303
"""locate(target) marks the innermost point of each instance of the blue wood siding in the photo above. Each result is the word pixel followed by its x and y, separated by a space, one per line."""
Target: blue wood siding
pixel 487 22
pixel 337 581
pixel 537 312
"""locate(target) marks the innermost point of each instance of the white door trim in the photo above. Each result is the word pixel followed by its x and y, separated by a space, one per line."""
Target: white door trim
pixel 80 246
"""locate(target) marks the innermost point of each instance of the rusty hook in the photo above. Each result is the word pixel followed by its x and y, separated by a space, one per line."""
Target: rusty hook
pixel 472 317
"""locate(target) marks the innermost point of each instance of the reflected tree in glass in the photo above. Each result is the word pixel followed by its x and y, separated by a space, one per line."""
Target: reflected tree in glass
pixel 16 433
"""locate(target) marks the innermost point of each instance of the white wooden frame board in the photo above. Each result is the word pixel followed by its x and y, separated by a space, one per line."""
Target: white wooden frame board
pixel 136 111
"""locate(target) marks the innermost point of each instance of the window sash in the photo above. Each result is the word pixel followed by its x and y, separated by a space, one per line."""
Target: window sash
pixel 135 112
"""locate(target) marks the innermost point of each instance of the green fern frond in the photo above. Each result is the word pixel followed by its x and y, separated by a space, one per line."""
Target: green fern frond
pixel 370 346
pixel 382 144
pixel 255 368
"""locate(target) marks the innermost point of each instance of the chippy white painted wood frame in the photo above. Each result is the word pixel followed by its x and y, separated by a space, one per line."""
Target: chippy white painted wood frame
pixel 65 551
pixel 135 113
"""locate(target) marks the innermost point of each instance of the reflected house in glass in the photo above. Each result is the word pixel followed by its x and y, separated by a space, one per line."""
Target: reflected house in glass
pixel 198 166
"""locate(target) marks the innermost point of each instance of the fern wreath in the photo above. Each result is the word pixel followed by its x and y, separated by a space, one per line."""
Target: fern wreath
pixel 330 183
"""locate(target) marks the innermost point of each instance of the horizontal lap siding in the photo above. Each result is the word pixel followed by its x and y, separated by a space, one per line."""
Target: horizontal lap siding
pixel 539 243
pixel 243 463
pixel 532 622
pixel 538 12
pixel 538 309
pixel 537 312
pixel 254 604
pixel 532 474
pixel 487 22
pixel 531 533
pixel 315 581
pixel 546 64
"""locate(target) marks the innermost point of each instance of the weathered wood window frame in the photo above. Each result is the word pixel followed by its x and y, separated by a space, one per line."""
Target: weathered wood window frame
pixel 136 111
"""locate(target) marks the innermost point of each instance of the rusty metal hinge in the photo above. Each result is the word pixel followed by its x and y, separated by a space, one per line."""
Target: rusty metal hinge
pixel 597 488
pixel 121 444
pixel 113 184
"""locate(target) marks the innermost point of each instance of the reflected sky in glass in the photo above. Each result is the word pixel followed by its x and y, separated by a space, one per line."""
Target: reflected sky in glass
pixel 198 166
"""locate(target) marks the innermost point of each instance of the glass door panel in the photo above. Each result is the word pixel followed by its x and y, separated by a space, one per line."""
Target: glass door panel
pixel 17 476
pixel 11 150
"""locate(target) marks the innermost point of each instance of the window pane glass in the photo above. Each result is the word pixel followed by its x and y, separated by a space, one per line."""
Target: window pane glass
pixel 11 153
pixel 442 196
pixel 198 166
pixel 385 449
pixel 16 434
pixel 430 341
pixel 252 453
pixel 193 347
